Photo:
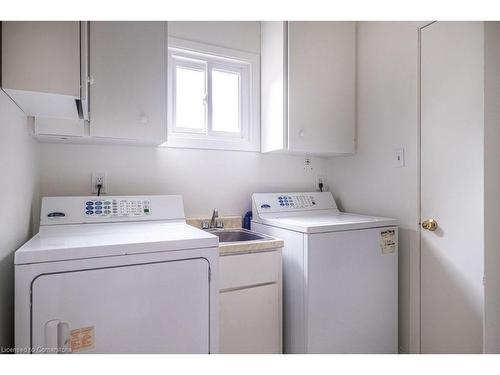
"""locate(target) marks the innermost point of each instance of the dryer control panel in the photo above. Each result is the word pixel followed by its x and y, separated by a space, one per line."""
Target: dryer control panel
pixel 117 207
pixel 108 209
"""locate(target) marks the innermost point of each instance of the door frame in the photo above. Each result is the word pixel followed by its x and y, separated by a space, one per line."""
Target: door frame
pixel 415 277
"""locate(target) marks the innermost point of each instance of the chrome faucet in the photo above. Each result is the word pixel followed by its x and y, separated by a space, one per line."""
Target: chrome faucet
pixel 215 215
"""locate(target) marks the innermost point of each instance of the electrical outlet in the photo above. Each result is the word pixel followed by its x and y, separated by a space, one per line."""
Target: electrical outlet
pixel 99 178
pixel 320 179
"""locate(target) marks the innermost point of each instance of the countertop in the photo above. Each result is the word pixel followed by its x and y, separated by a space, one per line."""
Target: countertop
pixel 231 248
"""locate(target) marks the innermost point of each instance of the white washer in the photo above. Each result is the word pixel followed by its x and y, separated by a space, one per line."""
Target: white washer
pixel 340 274
pixel 121 274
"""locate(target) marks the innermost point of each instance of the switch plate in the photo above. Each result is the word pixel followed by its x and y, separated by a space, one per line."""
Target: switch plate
pixel 399 157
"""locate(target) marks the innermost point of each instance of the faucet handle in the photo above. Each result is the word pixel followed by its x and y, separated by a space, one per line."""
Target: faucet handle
pixel 205 224
pixel 219 223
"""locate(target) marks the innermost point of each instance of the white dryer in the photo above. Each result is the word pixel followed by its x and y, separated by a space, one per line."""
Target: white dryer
pixel 340 274
pixel 122 274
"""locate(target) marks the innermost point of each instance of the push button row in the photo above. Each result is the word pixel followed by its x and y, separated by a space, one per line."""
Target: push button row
pixel 118 208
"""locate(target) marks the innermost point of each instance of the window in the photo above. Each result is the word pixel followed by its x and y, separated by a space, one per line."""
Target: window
pixel 213 97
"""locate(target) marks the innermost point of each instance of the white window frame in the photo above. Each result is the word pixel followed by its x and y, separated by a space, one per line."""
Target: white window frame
pixel 184 53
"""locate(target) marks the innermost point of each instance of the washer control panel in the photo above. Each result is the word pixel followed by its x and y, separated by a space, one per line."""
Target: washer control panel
pixel 288 202
pixel 117 208
pixel 296 201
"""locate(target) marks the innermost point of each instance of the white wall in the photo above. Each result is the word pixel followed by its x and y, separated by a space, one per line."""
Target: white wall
pixel 206 178
pixel 387 118
pixel 242 35
pixel 19 192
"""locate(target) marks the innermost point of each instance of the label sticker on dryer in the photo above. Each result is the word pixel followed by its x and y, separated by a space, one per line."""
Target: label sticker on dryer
pixel 388 241
pixel 81 339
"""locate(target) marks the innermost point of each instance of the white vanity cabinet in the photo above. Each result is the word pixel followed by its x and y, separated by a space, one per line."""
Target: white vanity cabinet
pixel 41 69
pixel 127 81
pixel 250 302
pixel 308 81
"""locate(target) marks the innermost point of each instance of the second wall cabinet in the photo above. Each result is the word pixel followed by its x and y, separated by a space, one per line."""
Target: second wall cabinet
pixel 308 87
pixel 127 81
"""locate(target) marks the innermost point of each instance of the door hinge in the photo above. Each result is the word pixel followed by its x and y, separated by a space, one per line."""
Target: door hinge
pixel 484 280
pixel 209 274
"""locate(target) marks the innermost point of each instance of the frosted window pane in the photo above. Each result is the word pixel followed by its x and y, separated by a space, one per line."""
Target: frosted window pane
pixel 225 101
pixel 190 98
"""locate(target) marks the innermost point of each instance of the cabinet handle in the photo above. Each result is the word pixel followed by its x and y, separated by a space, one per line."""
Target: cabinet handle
pixel 90 80
pixel 301 133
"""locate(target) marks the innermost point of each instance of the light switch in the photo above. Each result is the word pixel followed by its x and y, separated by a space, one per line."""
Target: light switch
pixel 399 157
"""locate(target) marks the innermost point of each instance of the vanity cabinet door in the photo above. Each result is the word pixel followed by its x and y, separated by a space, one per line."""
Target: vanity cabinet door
pixel 250 320
pixel 127 81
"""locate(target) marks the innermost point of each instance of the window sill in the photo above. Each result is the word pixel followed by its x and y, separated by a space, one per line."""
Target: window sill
pixel 236 144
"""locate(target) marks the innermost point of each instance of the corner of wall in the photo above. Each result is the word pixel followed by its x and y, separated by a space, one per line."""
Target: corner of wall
pixel 18 153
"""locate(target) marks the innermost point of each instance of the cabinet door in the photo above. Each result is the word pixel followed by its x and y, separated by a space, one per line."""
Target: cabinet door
pixel 127 92
pixel 41 57
pixel 41 67
pixel 274 86
pixel 241 270
pixel 250 321
pixel 321 87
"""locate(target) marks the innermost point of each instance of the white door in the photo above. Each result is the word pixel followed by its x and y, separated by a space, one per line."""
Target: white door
pixel 146 308
pixel 452 187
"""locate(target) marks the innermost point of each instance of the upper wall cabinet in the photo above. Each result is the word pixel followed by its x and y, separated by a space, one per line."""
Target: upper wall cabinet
pixel 308 87
pixel 41 68
pixel 127 81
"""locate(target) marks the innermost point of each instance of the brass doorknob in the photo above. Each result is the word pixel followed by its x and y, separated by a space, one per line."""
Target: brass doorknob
pixel 430 224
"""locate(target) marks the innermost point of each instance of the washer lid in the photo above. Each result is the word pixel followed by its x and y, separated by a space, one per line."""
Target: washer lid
pixel 82 241
pixel 324 221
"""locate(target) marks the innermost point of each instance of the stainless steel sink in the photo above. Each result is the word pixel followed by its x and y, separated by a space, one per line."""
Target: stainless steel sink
pixel 238 235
